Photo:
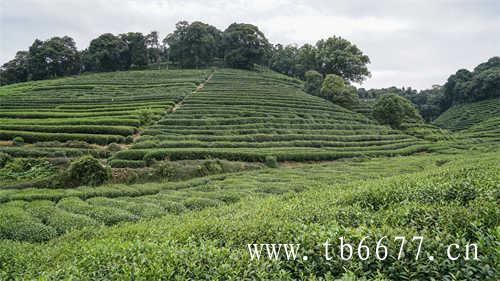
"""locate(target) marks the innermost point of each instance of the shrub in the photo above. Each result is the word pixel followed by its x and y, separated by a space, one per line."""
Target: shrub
pixel 129 139
pixel 18 141
pixel 335 89
pixel 114 147
pixel 4 159
pixel 199 203
pixel 313 82
pixel 393 110
pixel 86 171
pixel 146 116
pixel 17 224
pixel 272 162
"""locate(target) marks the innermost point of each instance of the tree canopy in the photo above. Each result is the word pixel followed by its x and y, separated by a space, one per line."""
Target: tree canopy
pixel 107 53
pixel 195 44
pixel 244 45
pixel 393 110
pixel 190 45
pixel 336 55
pixel 313 83
pixel 52 58
pixel 337 91
pixel 466 86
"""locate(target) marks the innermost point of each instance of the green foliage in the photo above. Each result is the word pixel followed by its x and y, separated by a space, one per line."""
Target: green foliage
pixel 335 90
pixel 336 55
pixel 244 45
pixel 200 203
pixel 313 82
pixel 17 224
pixel 4 159
pixel 55 57
pixel 21 169
pixel 271 162
pixel 137 50
pixel 465 86
pixel 106 53
pixel 195 44
pixel 455 203
pixel 146 116
pixel 393 110
pixel 86 171
pixel 18 141
pixel 246 116
pixel 15 70
pixel 114 147
pixel 464 116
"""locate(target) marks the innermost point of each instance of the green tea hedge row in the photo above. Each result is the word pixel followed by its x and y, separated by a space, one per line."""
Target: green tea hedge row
pixel 36 137
pixel 83 129
pixel 453 204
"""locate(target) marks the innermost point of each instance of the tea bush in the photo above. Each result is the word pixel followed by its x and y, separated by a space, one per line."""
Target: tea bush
pixel 86 171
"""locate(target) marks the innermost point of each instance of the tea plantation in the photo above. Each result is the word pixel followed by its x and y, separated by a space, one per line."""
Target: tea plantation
pixel 446 199
pixel 61 117
pixel 203 162
pixel 463 116
pixel 248 116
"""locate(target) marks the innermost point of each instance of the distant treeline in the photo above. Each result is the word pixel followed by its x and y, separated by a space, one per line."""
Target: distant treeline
pixel 190 45
pixel 462 87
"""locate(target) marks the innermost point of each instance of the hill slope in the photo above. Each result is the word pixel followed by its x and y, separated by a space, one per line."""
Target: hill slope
pixel 97 109
pixel 463 116
pixel 241 115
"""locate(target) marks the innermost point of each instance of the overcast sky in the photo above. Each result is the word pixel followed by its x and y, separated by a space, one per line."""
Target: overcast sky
pixel 414 43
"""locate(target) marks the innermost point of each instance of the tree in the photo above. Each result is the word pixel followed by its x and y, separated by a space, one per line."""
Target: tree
pixel 193 44
pixel 336 55
pixel 55 57
pixel 306 57
pixel 465 86
pixel 313 82
pixel 393 110
pixel 16 70
pixel 335 89
pixel 107 53
pixel 284 59
pixel 137 55
pixel 244 45
pixel 154 48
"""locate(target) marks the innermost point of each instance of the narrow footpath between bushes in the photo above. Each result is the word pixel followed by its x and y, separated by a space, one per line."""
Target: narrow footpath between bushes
pixel 176 106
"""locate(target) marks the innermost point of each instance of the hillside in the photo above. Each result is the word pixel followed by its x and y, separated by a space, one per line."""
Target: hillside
pixel 62 117
pixel 463 116
pixel 248 116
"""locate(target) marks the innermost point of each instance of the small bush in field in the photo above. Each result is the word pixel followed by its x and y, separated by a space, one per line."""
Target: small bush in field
pixel 272 162
pixel 17 141
pixel 86 171
pixel 114 147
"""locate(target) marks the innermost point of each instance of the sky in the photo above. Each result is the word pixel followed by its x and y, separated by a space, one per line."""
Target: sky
pixel 416 43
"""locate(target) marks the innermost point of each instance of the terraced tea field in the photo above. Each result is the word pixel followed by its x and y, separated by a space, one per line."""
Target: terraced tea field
pixel 463 116
pixel 447 199
pixel 249 116
pixel 39 214
pixel 61 118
